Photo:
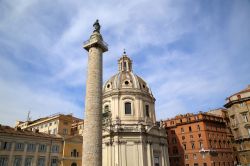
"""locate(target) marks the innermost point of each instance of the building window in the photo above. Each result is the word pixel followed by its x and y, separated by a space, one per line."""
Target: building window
pixel 65 131
pixel 190 129
pixel 42 148
pixel 156 161
pixel 50 124
pixel 192 145
pixel 3 161
pixel 55 131
pixel 201 145
pixel 248 129
pixel 31 148
pixel 65 123
pixel 125 66
pixel 106 108
pixel 184 146
pixel 195 157
pixel 55 149
pixel 41 161
pixel 244 117
pixel 74 153
pixel 54 162
pixel 242 104
pixel 174 140
pixel 182 130
pixel 19 146
pixel 128 108
pixel 186 156
pixel 191 137
pixel 147 110
pixel 199 135
pixel 198 127
pixel 28 161
pixel 196 164
pixel 17 161
pixel 6 146
pixel 183 137
pixel 73 164
pixel 233 121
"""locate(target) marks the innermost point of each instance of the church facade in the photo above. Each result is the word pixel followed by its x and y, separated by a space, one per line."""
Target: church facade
pixel 131 135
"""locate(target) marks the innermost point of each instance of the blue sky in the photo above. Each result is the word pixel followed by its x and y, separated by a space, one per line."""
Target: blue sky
pixel 193 54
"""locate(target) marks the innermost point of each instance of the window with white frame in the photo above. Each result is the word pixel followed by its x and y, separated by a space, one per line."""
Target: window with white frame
pixel 244 117
pixel 41 161
pixel 195 157
pixel 17 161
pixel 3 160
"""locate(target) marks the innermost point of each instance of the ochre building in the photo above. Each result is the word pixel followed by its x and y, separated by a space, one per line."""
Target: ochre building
pixel 65 127
pixel 238 106
pixel 28 148
pixel 201 139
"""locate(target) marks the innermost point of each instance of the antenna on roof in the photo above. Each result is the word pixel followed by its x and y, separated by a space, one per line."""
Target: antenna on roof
pixel 28 117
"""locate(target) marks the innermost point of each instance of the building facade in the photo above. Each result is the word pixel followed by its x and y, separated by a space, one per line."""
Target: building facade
pixel 238 106
pixel 28 148
pixel 56 124
pixel 130 134
pixel 65 127
pixel 201 139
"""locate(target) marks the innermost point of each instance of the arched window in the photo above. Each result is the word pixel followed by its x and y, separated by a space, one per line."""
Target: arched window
pixel 74 153
pixel 73 164
pixel 124 66
pixel 106 108
pixel 128 108
pixel 147 110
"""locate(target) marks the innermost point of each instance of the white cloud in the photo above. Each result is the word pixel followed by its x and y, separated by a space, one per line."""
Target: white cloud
pixel 186 51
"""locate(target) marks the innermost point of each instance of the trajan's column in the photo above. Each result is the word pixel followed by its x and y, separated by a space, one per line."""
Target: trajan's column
pixel 92 134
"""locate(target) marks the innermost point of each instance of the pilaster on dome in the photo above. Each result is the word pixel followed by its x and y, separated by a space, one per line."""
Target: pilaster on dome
pixel 125 63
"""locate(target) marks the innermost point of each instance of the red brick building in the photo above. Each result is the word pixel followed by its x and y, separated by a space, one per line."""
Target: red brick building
pixel 201 139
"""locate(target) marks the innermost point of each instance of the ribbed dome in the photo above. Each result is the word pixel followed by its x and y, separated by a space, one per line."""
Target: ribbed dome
pixel 126 79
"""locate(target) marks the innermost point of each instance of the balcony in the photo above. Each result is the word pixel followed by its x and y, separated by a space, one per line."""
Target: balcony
pixel 95 41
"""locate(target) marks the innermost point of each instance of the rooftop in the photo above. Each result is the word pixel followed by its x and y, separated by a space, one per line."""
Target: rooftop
pixel 19 132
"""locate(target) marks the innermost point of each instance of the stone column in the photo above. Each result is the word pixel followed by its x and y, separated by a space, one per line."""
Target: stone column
pixel 92 133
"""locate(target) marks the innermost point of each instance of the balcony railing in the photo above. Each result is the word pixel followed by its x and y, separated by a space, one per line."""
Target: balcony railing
pixel 93 41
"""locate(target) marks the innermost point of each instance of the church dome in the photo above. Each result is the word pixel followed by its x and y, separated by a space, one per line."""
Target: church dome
pixel 125 79
pixel 127 96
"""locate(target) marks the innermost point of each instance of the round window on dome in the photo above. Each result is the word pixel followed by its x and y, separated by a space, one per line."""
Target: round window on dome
pixel 108 86
pixel 143 86
pixel 126 82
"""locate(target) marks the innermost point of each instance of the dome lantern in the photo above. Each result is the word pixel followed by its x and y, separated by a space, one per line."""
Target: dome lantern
pixel 125 63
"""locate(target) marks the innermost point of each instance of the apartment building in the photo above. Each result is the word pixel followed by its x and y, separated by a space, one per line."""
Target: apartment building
pixel 201 139
pixel 25 148
pixel 66 127
pixel 238 106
